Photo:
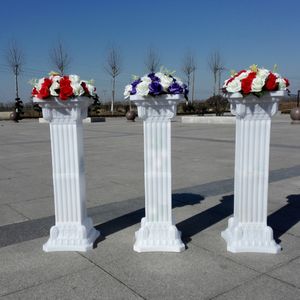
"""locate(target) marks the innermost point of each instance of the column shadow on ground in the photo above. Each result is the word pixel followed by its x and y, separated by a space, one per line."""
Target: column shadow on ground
pixel 188 227
pixel 286 217
pixel 281 220
pixel 132 218
pixel 206 219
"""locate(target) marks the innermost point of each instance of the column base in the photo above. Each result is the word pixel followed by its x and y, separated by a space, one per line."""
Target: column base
pixel 72 237
pixel 249 237
pixel 158 237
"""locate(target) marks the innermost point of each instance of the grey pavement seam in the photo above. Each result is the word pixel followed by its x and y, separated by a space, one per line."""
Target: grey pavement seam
pixel 112 276
pixel 20 213
pixel 23 231
pixel 236 287
pixel 43 282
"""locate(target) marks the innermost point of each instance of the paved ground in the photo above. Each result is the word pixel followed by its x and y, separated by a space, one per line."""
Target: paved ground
pixel 203 163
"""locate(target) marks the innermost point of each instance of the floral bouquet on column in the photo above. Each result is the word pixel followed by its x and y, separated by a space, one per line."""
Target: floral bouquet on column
pixel 256 81
pixel 62 87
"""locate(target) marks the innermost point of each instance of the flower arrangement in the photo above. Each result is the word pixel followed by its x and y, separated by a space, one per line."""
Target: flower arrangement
pixel 155 84
pixel 63 87
pixel 255 81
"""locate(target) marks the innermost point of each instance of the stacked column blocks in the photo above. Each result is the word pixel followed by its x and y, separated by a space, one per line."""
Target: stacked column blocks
pixel 157 232
pixel 73 230
pixel 247 230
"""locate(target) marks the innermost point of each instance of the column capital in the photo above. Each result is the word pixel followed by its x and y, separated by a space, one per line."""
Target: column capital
pixel 160 108
pixel 64 112
pixel 253 107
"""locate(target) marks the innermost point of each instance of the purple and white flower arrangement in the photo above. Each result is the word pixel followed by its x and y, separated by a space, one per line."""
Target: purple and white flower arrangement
pixel 156 84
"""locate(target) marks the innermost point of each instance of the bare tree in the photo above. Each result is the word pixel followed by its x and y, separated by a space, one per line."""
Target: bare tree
pixel 113 68
pixel 60 58
pixel 15 60
pixel 152 60
pixel 217 67
pixel 189 68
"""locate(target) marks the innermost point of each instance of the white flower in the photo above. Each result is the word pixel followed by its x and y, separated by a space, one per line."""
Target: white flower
pixel 39 83
pixel 160 75
pixel 76 85
pixel 166 81
pixel 91 89
pixel 281 84
pixel 257 84
pixel 234 86
pixel 77 88
pixel 178 81
pixel 55 78
pixel 127 91
pixel 146 79
pixel 263 73
pixel 243 75
pixel 54 86
pixel 142 89
pixel 74 78
pixel 225 82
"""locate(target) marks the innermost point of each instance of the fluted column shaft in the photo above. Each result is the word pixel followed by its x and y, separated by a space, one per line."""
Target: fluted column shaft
pixel 247 230
pixel 73 230
pixel 157 232
pixel 157 166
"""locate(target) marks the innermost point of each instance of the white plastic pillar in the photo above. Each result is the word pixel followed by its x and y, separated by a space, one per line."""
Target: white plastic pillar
pixel 247 230
pixel 157 232
pixel 73 230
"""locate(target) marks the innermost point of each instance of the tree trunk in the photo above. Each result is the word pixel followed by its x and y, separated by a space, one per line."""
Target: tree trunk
pixel 113 96
pixel 193 87
pixel 17 84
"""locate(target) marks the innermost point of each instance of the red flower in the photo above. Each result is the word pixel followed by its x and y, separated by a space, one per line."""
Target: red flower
pixel 34 92
pixel 286 82
pixel 247 83
pixel 239 73
pixel 66 89
pixel 83 84
pixel 233 77
pixel 271 84
pixel 44 90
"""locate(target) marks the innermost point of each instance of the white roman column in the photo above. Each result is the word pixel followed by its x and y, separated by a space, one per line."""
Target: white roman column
pixel 157 232
pixel 73 230
pixel 247 230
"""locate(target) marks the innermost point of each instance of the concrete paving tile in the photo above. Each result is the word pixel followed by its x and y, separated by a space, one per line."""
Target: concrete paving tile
pixel 210 239
pixel 90 283
pixel 192 274
pixel 262 287
pixel 24 265
pixel 112 192
pixel 36 208
pixel 116 242
pixel 22 189
pixel 289 272
pixel 9 215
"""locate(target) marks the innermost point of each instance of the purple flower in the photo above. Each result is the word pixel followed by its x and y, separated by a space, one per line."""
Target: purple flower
pixel 175 88
pixel 153 77
pixel 133 91
pixel 134 84
pixel 155 88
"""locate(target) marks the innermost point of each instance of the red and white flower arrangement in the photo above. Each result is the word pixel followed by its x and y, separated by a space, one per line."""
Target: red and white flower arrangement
pixel 62 87
pixel 255 81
